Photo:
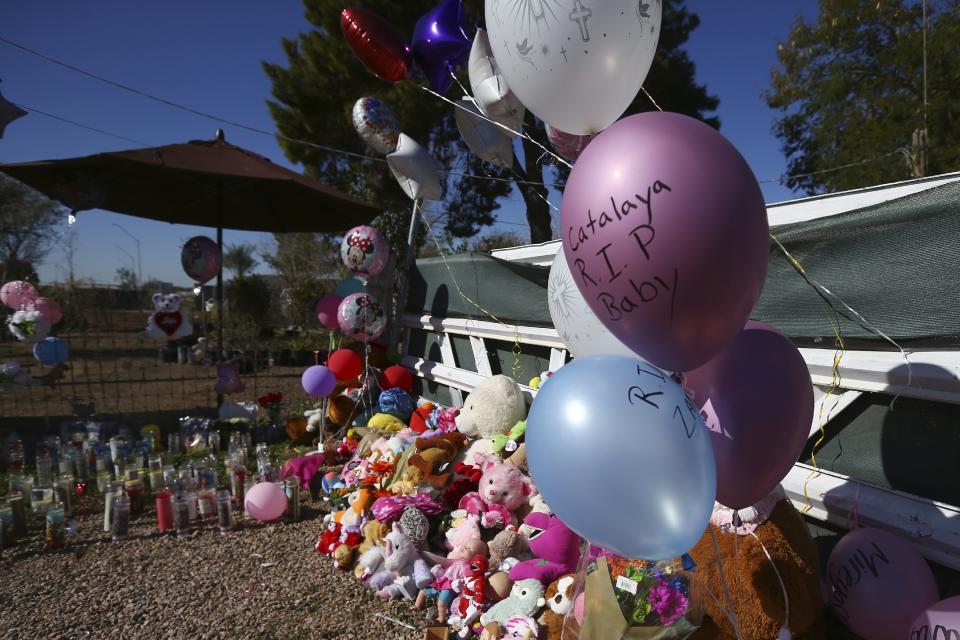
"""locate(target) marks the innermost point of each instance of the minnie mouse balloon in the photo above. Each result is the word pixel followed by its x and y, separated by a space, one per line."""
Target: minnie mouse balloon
pixel 376 43
pixel 18 294
pixel 362 318
pixel 200 258
pixel 364 251
pixel 576 64
pixel 376 125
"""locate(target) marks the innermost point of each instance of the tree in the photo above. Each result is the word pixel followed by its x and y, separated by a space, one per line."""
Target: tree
pixel 126 278
pixel 309 266
pixel 849 93
pixel 315 92
pixel 28 231
pixel 240 259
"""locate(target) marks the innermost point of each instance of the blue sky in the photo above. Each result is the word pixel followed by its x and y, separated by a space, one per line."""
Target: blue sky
pixel 207 55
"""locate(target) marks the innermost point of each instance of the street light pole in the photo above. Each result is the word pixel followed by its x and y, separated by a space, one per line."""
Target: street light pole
pixel 139 263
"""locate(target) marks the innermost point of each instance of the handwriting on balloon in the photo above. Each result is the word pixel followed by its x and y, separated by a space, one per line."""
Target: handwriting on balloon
pixel 859 565
pixel 938 632
pixel 687 415
pixel 636 211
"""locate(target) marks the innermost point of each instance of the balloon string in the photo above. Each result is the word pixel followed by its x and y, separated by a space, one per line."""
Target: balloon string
pixel 647 93
pixel 456 285
pixel 729 610
pixel 783 588
pixel 502 126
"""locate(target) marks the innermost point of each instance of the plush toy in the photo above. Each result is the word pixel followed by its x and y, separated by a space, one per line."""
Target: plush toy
pixel 200 351
pixel 463 528
pixel 499 585
pixel 228 379
pixel 441 421
pixel 404 572
pixel 414 524
pixel 329 539
pixel 526 599
pixel 507 443
pixel 493 407
pixel 508 548
pixel 503 489
pixel 314 420
pixel 408 483
pixel 386 422
pixel 360 501
pixel 433 453
pixel 758 600
pixel 167 321
pixel 556 547
pixel 344 552
pixel 371 549
pixel 473 596
pixel 467 480
pixel 521 628
pixel 536 504
pixel 420 415
pixel 559 597
pixel 396 402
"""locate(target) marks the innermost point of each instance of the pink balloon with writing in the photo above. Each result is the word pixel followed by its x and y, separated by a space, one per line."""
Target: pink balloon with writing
pixel 665 231
pixel 939 622
pixel 878 584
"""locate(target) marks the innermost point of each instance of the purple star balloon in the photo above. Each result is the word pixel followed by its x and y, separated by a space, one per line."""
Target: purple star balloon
pixel 439 43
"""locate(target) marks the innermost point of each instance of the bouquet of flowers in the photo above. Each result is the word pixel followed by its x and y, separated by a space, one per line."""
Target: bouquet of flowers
pixel 649 593
pixel 271 402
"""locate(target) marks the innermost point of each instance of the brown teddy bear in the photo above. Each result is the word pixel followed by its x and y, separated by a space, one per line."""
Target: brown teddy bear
pixel 754 589
pixel 559 597
pixel 433 453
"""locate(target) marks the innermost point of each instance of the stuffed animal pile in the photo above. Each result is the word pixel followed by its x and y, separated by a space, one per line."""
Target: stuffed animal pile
pixel 435 506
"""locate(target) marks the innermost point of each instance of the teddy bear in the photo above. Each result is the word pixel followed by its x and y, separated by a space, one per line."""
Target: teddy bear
pixel 433 453
pixel 559 597
pixel 408 483
pixel 167 321
pixel 758 600
pixel 556 547
pixel 526 599
pixel 343 553
pixel 503 490
pixel 404 571
pixel 508 548
pixel 493 407
pixel 371 549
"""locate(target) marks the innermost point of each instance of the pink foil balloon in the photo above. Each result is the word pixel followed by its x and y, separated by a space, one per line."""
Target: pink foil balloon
pixel 878 584
pixel 200 258
pixel 327 311
pixel 48 308
pixel 361 317
pixel 665 231
pixel 17 294
pixel 364 251
pixel 939 622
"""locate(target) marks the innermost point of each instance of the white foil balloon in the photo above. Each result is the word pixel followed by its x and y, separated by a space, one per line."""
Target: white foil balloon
pixel 576 64
pixel 573 319
pixel 484 138
pixel 490 88
pixel 375 124
pixel 415 170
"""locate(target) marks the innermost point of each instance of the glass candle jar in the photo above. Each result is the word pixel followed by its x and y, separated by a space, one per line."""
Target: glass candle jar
pixel 120 517
pixel 181 516
pixel 191 497
pixel 238 484
pixel 9 536
pixel 66 466
pixel 63 493
pixel 26 488
pixel 103 482
pixel 16 503
pixel 207 503
pixel 156 481
pixel 156 463
pixel 173 443
pixel 44 469
pixel 213 443
pixel 137 495
pixel 164 511
pixel 170 479
pixel 224 511
pixel 56 532
pixel 292 488
pixel 116 489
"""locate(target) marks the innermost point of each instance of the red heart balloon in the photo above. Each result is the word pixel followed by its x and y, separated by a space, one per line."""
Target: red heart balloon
pixel 376 43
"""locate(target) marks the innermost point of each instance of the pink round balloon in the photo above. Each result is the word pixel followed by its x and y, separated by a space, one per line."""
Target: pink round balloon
pixel 665 231
pixel 568 145
pixel 200 258
pixel 757 397
pixel 578 606
pixel 364 251
pixel 17 294
pixel 48 308
pixel 939 622
pixel 878 584
pixel 327 311
pixel 265 502
pixel 361 317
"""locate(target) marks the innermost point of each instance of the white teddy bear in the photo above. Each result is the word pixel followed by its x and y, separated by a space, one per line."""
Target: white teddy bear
pixel 493 407
pixel 168 321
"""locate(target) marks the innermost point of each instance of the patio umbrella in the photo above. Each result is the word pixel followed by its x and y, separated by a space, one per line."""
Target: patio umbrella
pixel 209 183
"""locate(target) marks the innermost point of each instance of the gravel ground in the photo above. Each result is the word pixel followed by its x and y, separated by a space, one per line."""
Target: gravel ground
pixel 262 581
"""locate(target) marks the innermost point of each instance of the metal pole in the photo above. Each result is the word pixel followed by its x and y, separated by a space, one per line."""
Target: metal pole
pixel 408 260
pixel 220 281
pixel 136 240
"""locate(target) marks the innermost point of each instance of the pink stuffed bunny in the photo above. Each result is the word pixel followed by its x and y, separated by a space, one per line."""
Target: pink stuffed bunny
pixel 503 489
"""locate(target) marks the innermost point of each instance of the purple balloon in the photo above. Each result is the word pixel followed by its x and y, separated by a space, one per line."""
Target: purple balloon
pixel 878 584
pixel 941 621
pixel 665 231
pixel 318 381
pixel 439 43
pixel 567 145
pixel 757 399
pixel 327 311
